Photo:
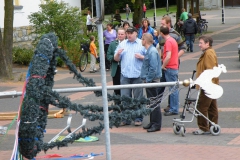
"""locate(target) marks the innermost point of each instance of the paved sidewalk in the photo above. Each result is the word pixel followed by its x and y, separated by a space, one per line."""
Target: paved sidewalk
pixel 130 142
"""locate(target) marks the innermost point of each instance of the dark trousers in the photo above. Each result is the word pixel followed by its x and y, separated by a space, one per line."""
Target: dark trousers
pixel 156 115
pixel 144 14
pixel 116 80
pixel 160 90
pixel 208 107
pixel 107 62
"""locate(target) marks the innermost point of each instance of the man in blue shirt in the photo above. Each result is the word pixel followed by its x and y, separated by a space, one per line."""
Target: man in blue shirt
pixel 151 73
pixel 131 54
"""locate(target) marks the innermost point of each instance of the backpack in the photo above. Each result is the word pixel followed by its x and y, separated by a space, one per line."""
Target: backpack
pixel 174 34
pixel 85 47
pixel 189 27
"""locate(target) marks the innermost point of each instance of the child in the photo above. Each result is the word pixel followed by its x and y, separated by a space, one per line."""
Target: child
pixel 155 37
pixel 93 51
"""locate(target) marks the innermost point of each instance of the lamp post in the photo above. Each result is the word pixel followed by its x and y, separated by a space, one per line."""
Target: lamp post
pixel 223 20
pixel 167 6
pixel 92 7
pixel 154 17
pixel 80 7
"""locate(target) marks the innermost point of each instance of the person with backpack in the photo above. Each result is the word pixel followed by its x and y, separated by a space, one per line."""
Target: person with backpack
pixel 189 30
pixel 166 21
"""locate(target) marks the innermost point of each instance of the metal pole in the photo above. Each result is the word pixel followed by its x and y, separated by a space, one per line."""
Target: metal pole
pixel 167 7
pixel 100 11
pixel 92 7
pixel 13 94
pixel 154 17
pixel 80 7
pixel 223 20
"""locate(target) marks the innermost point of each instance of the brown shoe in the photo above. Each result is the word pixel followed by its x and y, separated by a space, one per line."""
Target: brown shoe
pixel 167 109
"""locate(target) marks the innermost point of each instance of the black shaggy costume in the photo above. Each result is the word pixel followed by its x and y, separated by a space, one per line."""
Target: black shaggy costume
pixel 39 95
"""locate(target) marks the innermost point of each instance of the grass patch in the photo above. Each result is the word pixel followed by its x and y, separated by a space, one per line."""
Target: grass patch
pixel 149 13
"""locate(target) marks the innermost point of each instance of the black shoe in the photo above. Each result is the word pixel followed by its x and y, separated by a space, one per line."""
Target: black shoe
pixel 124 123
pixel 188 47
pixel 153 129
pixel 170 114
pixel 147 126
pixel 166 109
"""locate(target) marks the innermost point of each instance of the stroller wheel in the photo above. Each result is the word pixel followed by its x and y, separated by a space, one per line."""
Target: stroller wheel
pixel 176 129
pixel 183 131
pixel 215 130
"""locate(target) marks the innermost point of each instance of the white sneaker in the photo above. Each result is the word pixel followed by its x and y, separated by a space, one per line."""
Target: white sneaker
pixel 200 132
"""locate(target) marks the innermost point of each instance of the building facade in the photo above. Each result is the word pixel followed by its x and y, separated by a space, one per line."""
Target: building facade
pixel 22 28
pixel 217 4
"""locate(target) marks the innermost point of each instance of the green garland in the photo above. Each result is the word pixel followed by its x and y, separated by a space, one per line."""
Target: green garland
pixel 39 95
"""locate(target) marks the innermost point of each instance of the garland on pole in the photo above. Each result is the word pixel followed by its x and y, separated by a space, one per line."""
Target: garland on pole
pixel 39 94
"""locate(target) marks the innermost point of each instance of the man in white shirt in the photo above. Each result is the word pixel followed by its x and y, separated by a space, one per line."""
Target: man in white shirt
pixel 89 22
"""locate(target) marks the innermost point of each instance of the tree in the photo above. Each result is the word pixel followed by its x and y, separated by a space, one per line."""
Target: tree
pixel 7 41
pixel 137 15
pixel 60 18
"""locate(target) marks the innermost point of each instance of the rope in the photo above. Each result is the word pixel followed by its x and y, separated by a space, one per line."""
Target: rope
pixel 156 101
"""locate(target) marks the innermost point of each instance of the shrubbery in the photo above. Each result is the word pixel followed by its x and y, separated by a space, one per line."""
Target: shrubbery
pixel 22 55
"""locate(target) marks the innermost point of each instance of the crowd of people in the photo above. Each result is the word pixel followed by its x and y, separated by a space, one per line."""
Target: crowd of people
pixel 153 56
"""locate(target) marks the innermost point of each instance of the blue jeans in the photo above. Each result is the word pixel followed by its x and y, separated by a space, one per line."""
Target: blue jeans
pixel 137 92
pixel 171 75
pixel 189 40
pixel 127 15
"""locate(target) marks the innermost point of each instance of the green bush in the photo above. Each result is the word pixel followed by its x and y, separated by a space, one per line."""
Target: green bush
pixel 22 55
pixel 60 62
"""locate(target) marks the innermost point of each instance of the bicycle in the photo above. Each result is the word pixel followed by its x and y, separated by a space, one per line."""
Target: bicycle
pixel 179 28
pixel 83 61
pixel 202 26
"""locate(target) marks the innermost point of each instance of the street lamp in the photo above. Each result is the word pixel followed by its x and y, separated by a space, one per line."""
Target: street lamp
pixel 167 6
pixel 223 20
pixel 154 17
pixel 92 7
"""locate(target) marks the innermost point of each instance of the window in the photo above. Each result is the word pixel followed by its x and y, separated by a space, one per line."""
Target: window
pixel 16 2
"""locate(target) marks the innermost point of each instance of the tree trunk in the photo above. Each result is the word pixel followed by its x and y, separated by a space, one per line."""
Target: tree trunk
pixel 6 42
pixel 138 13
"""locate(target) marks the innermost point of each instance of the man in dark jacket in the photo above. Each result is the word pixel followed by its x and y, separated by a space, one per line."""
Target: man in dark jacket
pixel 115 67
pixel 189 30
